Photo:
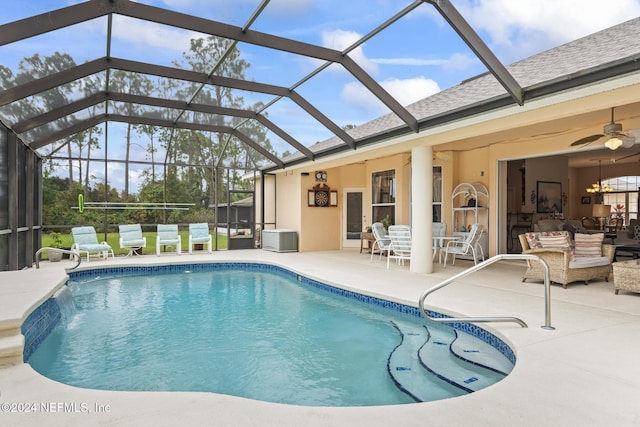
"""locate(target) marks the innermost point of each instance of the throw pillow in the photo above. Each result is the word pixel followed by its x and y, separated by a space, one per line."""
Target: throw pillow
pixel 588 244
pixel 636 232
pixel 560 241
pixel 532 239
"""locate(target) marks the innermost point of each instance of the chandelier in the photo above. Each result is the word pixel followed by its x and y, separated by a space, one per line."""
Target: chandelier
pixel 599 187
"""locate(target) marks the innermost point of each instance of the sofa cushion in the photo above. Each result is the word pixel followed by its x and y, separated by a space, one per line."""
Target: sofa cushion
pixel 591 261
pixel 636 232
pixel 588 245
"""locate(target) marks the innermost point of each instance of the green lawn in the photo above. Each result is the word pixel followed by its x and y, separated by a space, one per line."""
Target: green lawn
pixel 113 239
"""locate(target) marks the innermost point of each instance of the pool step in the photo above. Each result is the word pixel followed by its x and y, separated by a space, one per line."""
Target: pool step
pixel 480 353
pixel 438 357
pixel 409 375
pixel 11 350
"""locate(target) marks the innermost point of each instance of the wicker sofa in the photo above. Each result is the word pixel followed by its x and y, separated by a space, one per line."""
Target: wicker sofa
pixel 564 268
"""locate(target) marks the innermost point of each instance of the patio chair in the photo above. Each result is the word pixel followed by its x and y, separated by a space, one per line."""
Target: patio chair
pixel 382 239
pixel 400 248
pixel 466 247
pixel 199 234
pixel 438 229
pixel 168 236
pixel 85 239
pixel 131 238
pixel 589 223
pixel 612 228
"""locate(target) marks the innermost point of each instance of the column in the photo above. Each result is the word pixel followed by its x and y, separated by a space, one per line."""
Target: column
pixel 421 209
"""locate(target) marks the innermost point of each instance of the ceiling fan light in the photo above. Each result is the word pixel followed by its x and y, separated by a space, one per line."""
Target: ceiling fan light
pixel 613 143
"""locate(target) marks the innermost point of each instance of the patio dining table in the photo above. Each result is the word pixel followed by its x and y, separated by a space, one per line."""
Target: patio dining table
pixel 440 243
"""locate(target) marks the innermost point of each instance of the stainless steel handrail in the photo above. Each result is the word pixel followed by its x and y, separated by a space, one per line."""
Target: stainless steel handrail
pixel 64 251
pixel 494 259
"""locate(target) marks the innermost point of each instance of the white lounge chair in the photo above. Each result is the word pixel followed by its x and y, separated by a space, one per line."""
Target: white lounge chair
pixel 131 238
pixel 400 250
pixel 382 239
pixel 199 234
pixel 466 247
pixel 85 240
pixel 168 236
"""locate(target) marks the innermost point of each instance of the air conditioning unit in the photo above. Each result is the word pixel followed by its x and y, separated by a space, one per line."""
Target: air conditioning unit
pixel 280 240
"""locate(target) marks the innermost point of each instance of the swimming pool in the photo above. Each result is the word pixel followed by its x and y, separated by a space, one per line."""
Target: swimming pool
pixel 257 331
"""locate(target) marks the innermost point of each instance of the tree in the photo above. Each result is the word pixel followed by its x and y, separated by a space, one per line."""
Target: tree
pixel 216 149
pixel 151 132
pixel 129 83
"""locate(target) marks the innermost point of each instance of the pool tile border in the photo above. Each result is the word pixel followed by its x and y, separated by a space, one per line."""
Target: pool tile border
pixel 38 325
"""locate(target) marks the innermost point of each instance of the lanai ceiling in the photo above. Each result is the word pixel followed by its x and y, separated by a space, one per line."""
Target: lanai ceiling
pixel 297 97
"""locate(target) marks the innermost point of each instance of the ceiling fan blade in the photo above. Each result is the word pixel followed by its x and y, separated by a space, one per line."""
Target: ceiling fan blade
pixel 627 141
pixel 634 133
pixel 587 139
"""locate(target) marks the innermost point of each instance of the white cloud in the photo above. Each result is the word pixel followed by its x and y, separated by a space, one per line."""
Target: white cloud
pixel 340 40
pixel 531 26
pixel 143 34
pixel 406 91
pixel 459 61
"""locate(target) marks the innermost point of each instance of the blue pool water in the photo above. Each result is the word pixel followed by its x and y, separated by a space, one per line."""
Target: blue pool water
pixel 263 334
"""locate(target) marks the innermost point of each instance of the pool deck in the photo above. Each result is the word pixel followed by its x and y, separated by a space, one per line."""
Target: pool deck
pixel 585 372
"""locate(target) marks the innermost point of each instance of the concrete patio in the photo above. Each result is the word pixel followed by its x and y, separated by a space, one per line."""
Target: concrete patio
pixel 584 372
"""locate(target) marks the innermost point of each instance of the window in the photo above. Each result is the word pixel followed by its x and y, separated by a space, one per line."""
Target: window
pixel 437 194
pixel 383 197
pixel 624 198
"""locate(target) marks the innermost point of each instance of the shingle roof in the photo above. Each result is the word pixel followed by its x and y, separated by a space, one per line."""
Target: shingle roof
pixel 620 42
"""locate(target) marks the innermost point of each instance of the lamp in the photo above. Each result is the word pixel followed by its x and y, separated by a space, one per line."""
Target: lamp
pixel 613 143
pixel 598 187
pixel 600 212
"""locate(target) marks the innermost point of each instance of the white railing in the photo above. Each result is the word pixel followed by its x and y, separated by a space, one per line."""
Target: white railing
pixel 496 258
pixel 63 251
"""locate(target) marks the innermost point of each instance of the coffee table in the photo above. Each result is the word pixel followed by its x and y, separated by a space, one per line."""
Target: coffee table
pixel 633 249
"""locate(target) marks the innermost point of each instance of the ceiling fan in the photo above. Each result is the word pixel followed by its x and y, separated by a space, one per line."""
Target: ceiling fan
pixel 616 138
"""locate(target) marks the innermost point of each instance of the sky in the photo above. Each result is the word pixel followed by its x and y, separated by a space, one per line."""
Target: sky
pixel 412 59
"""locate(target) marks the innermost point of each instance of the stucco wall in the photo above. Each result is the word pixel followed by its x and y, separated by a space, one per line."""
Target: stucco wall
pixel 288 200
pixel 321 225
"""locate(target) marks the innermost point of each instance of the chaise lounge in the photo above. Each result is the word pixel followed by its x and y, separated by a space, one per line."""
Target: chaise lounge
pixel 85 240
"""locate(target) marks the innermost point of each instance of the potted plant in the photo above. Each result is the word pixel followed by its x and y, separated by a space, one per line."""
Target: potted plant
pixel 386 222
pixel 56 243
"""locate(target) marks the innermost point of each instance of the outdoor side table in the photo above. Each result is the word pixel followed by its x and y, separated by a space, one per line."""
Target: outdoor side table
pixel 626 275
pixel 366 237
